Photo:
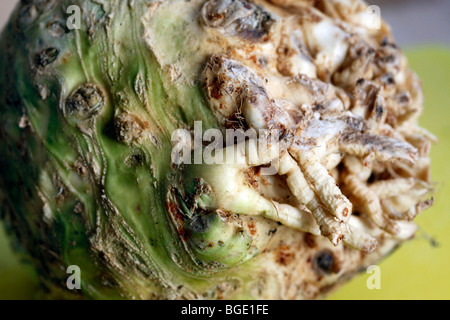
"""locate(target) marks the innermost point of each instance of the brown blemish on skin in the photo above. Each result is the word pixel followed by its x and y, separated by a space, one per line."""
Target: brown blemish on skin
pixel 284 254
pixel 46 57
pixel 174 211
pixel 252 175
pixel 252 228
pixel 324 263
pixel 215 89
pixel 310 240
pixel 66 58
pixel 81 169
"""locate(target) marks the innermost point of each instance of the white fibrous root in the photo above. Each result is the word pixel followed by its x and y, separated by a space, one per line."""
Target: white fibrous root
pixel 343 105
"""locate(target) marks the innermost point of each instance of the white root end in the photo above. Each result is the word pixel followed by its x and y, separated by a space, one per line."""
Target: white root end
pixel 294 218
pixel 330 227
pixel 324 184
pixel 392 187
pixel 358 236
pixel 370 203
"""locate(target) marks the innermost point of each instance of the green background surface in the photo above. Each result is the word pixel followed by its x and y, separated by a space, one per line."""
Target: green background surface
pixel 418 270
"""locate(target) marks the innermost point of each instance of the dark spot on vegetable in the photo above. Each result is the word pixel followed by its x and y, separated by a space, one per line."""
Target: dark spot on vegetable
pixel 251 175
pixel 310 240
pixel 355 123
pixel 386 43
pixel 404 98
pixel 318 107
pixel 323 263
pixel 285 255
pixel 200 224
pixel 388 59
pixel 356 213
pixel 256 26
pixel 135 159
pixel 240 231
pixel 252 228
pixel 388 79
pixel 263 62
pixel 46 57
pixel 256 171
pixel 81 168
pixel 85 102
pixel 108 280
pixel 379 110
pixel 215 89
pixel 284 133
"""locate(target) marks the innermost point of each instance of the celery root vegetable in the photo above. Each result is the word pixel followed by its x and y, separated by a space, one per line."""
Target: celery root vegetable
pixel 88 176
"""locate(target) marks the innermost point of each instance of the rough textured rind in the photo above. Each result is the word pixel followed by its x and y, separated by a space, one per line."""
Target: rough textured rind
pixel 85 145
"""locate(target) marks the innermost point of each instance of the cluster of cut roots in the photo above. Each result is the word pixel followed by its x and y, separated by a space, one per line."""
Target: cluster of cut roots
pixel 344 109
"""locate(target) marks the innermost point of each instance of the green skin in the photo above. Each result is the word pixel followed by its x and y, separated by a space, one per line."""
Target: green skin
pixel 112 220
